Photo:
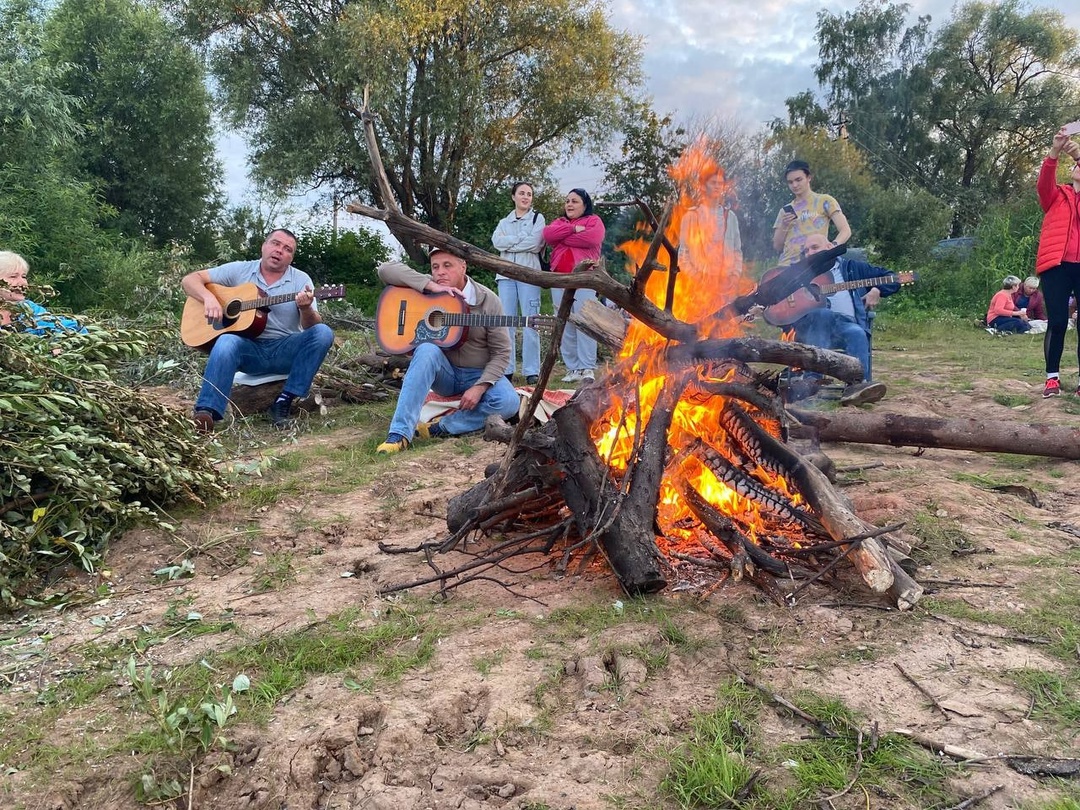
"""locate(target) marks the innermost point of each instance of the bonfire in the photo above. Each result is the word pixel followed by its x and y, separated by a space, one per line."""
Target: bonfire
pixel 674 464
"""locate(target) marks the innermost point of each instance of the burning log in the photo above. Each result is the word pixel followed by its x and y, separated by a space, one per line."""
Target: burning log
pixel 1054 441
pixel 623 521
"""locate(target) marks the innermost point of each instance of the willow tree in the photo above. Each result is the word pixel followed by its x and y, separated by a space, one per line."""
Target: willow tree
pixel 468 93
pixel 1003 79
pixel 146 140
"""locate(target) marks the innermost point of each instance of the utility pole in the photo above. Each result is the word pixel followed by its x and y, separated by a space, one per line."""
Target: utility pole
pixel 841 125
pixel 336 207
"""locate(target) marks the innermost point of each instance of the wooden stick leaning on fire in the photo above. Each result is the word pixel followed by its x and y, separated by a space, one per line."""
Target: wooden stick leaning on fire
pixel 619 512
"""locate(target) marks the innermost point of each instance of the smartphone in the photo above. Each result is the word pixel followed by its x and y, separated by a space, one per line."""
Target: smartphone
pixel 1073 128
pixel 789 209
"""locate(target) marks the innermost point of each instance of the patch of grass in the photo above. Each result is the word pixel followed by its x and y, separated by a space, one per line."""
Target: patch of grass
pixel 486 663
pixel 721 763
pixel 940 536
pixel 1012 400
pixel 895 767
pixel 179 621
pixel 1052 612
pixel 274 573
pixel 588 620
pixel 1064 803
pixel 1054 697
pixel 1014 461
pixel 709 768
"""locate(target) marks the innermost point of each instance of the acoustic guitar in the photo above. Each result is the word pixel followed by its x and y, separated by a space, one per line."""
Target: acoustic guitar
pixel 790 309
pixel 405 318
pixel 244 310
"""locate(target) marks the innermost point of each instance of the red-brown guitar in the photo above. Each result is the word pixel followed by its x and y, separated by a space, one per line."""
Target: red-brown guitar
pixel 244 310
pixel 786 312
pixel 405 318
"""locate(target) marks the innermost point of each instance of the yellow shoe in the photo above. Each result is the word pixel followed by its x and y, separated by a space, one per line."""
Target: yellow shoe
pixel 430 430
pixel 388 447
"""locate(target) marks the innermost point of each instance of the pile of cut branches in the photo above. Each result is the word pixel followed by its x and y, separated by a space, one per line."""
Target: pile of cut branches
pixel 82 456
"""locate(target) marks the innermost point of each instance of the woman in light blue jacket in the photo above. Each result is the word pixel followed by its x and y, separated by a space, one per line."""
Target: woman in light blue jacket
pixel 519 239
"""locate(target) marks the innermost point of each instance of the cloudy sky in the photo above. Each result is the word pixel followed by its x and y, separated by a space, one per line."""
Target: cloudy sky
pixel 711 57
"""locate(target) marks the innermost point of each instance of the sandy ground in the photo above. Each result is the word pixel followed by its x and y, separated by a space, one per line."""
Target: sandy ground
pixel 509 713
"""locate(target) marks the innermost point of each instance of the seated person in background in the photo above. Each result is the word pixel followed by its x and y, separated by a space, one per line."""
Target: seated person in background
pixel 1003 315
pixel 17 311
pixel 294 342
pixel 843 324
pixel 473 370
pixel 1030 298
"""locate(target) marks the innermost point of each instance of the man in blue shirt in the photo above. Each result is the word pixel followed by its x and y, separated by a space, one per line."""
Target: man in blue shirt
pixel 844 324
pixel 294 341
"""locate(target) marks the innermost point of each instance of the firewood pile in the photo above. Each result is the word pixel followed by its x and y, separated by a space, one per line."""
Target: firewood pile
pixel 704 492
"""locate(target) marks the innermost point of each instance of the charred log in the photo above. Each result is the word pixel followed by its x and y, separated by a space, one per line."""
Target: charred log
pixel 624 529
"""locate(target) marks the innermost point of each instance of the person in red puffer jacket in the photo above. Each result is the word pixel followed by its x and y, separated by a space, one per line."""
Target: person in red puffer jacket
pixel 1057 262
pixel 573 238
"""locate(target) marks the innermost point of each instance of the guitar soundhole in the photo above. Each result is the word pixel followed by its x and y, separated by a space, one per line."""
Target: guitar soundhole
pixel 436 319
pixel 233 309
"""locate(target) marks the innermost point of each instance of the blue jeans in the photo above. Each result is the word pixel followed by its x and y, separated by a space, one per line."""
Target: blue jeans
pixel 578 349
pixel 298 355
pixel 517 296
pixel 828 330
pixel 429 370
pixel 1007 323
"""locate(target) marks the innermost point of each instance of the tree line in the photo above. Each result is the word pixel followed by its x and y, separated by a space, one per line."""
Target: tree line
pixel 108 108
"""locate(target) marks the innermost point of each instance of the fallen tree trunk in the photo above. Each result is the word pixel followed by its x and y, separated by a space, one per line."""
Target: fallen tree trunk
pixel 1053 441
pixel 248 400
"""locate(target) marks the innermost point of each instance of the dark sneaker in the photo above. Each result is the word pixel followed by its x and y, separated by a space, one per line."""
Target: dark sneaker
pixel 203 421
pixel 863 393
pixel 801 388
pixel 532 379
pixel 1053 388
pixel 279 414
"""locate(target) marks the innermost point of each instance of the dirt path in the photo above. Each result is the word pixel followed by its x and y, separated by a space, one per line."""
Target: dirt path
pixel 522 705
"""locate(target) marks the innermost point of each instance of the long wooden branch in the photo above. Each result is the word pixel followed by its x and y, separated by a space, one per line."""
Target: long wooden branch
pixel 378 171
pixel 599 280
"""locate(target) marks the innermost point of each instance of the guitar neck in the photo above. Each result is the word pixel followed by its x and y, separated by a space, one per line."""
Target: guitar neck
pixel 472 319
pixel 829 289
pixel 268 301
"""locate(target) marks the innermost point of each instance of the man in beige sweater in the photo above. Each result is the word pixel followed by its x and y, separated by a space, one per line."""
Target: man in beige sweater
pixel 472 370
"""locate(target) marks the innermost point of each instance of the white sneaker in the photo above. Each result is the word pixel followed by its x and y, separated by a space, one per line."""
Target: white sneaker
pixel 587 374
pixel 573 376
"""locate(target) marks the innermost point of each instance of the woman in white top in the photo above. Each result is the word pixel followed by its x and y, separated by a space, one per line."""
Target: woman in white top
pixel 519 238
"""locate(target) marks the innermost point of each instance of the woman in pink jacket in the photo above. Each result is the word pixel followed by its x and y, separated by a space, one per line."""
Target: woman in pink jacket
pixel 573 238
pixel 1057 262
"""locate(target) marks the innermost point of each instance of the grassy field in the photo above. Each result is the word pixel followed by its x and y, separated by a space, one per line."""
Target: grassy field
pixel 248 660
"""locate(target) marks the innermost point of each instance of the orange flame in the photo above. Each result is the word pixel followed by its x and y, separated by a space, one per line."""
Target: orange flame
pixel 709 276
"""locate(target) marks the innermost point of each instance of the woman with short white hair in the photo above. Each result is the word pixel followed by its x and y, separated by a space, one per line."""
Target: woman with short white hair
pixel 16 311
pixel 1030 299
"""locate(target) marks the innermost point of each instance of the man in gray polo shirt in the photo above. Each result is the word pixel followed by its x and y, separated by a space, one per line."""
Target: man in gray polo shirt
pixel 294 342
